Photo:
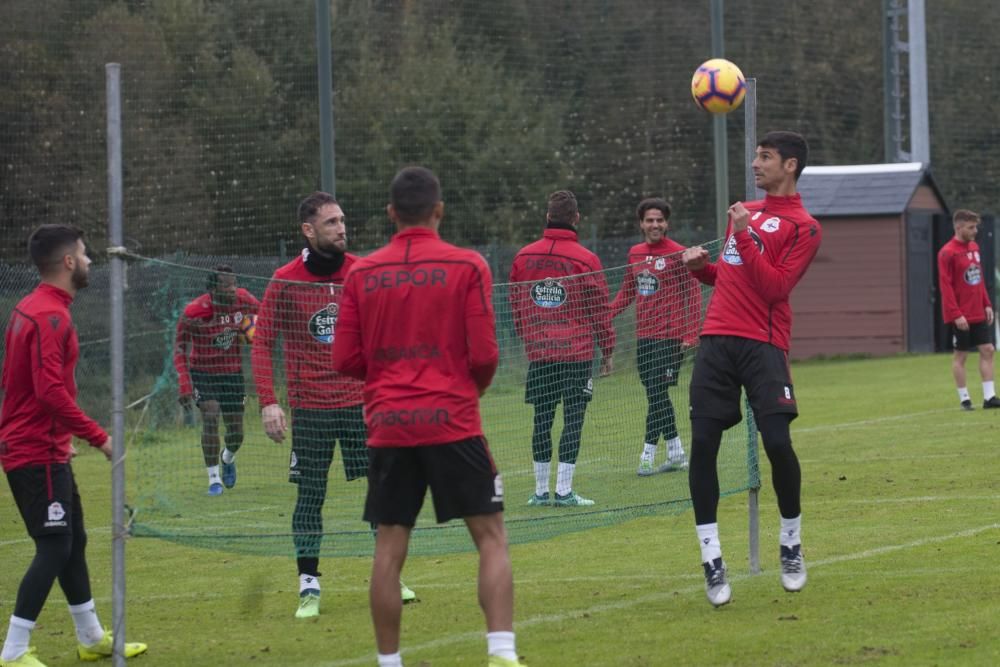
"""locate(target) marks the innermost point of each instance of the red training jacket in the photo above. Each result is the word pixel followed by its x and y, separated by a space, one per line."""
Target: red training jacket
pixel 559 314
pixel 758 269
pixel 668 298
pixel 39 415
pixel 302 308
pixel 207 339
pixel 416 323
pixel 960 276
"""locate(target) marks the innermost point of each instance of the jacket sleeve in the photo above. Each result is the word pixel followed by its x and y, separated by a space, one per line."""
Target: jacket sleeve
pixel 626 295
pixel 600 311
pixel 480 328
pixel 774 283
pixel 48 368
pixel 348 345
pixel 262 350
pixel 707 274
pixel 182 343
pixel 516 295
pixel 949 304
pixel 692 309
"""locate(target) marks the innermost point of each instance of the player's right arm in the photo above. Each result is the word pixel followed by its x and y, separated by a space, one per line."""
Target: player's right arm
pixel 695 259
pixel 348 347
pixel 626 295
pixel 950 312
pixel 480 328
pixel 262 362
pixel 182 344
pixel 48 368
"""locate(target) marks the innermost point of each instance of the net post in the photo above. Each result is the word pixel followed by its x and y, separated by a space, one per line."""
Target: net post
pixel 114 145
pixel 324 67
pixel 753 462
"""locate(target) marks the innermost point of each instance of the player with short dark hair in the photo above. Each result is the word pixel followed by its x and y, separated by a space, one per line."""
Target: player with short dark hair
pixel 966 307
pixel 210 368
pixel 744 344
pixel 417 325
pixel 559 302
pixel 38 418
pixel 301 306
pixel 667 312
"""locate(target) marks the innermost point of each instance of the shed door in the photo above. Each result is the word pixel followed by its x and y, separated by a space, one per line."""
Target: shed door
pixel 920 260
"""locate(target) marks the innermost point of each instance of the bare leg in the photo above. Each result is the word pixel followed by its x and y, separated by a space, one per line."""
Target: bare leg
pixel 391 543
pixel 496 580
pixel 986 362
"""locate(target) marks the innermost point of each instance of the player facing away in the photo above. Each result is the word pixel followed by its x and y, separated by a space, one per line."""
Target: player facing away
pixel 966 307
pixel 210 369
pixel 667 312
pixel 560 315
pixel 38 419
pixel 416 324
pixel 300 307
pixel 744 343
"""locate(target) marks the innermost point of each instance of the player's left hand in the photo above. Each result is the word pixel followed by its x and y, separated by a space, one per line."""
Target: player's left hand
pixel 106 448
pixel 989 315
pixel 740 216
pixel 607 366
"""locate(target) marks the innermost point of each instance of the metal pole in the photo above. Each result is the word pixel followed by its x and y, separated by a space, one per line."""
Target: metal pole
pixel 115 189
pixel 324 65
pixel 753 462
pixel 719 131
pixel 920 133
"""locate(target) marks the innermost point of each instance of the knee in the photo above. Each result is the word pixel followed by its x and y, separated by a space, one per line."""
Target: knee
pixel 55 550
pixel 210 411
pixel 986 352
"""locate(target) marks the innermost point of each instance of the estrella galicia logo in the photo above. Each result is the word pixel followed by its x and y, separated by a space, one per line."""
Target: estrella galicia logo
pixel 323 323
pixel 646 284
pixel 548 293
pixel 224 340
pixel 732 256
pixel 973 274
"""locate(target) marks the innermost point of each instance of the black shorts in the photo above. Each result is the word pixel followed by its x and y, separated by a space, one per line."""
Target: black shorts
pixel 978 334
pixel 314 435
pixel 724 364
pixel 659 362
pixel 462 477
pixel 48 499
pixel 554 381
pixel 226 388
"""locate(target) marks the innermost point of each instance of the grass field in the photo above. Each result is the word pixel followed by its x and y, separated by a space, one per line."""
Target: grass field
pixel 901 533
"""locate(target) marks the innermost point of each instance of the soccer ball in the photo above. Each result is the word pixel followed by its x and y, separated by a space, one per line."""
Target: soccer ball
pixel 718 86
pixel 248 327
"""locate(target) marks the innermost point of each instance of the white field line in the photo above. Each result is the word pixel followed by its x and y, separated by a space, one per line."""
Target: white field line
pixel 660 596
pixel 867 422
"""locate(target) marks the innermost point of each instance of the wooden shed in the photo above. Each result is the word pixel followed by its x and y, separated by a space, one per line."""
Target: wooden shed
pixel 872 287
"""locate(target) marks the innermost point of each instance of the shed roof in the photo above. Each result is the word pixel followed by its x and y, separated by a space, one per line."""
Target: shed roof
pixel 862 189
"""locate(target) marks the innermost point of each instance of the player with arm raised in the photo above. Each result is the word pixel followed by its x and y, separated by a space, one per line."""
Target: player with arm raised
pixel 416 324
pixel 966 307
pixel 560 315
pixel 744 344
pixel 300 308
pixel 210 369
pixel 667 312
pixel 38 420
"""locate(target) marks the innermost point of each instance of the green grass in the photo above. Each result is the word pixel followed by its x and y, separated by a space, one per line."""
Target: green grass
pixel 901 533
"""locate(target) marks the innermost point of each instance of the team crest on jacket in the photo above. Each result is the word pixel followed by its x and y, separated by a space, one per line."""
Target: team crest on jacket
pixel 660 264
pixel 771 225
pixel 973 274
pixel 732 256
pixel 224 340
pixel 646 284
pixel 323 323
pixel 548 293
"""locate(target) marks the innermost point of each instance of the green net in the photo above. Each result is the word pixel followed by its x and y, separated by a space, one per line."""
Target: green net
pixel 267 511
